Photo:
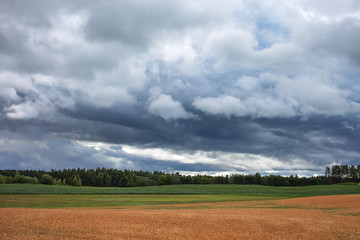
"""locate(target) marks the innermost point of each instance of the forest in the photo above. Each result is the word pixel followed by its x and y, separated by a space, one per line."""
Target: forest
pixel 110 177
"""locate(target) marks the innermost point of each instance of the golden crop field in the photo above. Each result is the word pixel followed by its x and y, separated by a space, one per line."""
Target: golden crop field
pixel 325 217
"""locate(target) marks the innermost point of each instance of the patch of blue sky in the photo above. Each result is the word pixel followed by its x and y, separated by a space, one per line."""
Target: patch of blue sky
pixel 269 32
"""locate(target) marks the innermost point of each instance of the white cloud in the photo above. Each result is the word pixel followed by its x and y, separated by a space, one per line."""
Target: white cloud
pixel 9 94
pixel 19 82
pixel 41 108
pixel 32 96
pixel 230 45
pixel 233 162
pixel 27 110
pixel 256 59
pixel 255 106
pixel 223 105
pixel 314 94
pixel 247 83
pixel 169 109
pixel 269 107
pixel 101 69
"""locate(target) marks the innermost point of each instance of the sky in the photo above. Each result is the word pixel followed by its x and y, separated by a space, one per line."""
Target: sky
pixel 189 86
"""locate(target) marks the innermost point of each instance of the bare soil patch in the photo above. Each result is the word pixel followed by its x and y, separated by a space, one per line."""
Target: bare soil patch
pixel 303 218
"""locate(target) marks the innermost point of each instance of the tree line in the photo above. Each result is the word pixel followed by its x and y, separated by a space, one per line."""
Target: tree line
pixel 109 177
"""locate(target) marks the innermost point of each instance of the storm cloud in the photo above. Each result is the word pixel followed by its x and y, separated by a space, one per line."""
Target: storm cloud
pixel 188 86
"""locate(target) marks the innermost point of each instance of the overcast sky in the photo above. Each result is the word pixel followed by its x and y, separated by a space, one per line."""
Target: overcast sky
pixel 211 87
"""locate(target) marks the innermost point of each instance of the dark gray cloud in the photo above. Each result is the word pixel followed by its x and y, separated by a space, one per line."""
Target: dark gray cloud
pixel 179 86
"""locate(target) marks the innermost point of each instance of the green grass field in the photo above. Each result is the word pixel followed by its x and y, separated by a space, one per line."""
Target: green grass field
pixel 45 196
pixel 115 201
pixel 245 190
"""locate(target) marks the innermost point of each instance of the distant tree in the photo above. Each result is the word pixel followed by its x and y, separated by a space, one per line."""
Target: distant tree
pixel 132 179
pixel 89 179
pixel 279 181
pixel 249 179
pixel 144 181
pixel 2 179
pixel 9 179
pixel 18 178
pixel 112 177
pixel 344 171
pixel 75 180
pixel 131 183
pixel 353 174
pixel 292 181
pixel 34 180
pixel 327 172
pixel 123 181
pixel 269 180
pixel 257 178
pixel 166 179
pixel 197 179
pixel 56 181
pixel 46 179
pixel 99 180
pixel 237 179
pixel 336 173
pixel 107 180
pixel 186 180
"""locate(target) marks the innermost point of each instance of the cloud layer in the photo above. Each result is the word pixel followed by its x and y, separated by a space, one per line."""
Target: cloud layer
pixel 215 87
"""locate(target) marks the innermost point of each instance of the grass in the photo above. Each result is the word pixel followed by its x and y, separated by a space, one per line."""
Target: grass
pixel 244 190
pixel 114 201
pixel 45 196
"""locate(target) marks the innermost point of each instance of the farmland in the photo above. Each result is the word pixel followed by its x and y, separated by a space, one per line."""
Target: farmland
pixel 180 212
pixel 244 190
